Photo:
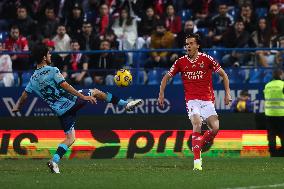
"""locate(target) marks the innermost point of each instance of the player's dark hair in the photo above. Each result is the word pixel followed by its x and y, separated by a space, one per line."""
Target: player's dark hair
pixel 39 51
pixel 277 74
pixel 74 41
pixel 195 36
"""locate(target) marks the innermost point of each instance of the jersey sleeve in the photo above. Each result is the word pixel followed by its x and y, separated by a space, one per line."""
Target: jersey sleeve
pixel 215 65
pixel 174 69
pixel 29 88
pixel 58 77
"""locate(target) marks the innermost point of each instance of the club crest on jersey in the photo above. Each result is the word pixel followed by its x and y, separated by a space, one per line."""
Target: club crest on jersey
pixel 201 65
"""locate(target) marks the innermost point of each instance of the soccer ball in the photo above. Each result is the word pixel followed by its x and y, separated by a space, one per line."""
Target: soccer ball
pixel 123 78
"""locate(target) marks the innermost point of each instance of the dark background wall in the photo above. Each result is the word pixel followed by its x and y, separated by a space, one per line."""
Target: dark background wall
pixel 228 121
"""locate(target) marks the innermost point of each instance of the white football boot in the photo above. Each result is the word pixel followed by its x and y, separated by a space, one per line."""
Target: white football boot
pixel 132 104
pixel 53 166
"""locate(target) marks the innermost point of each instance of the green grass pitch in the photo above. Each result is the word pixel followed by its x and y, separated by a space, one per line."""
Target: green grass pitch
pixel 146 173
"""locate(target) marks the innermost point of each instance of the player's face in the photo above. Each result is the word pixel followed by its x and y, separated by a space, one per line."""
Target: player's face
pixel 15 33
pixel 48 58
pixel 75 46
pixel 191 46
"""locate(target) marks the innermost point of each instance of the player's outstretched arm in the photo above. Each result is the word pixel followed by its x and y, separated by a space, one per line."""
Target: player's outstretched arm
pixel 21 101
pixel 228 98
pixel 74 92
pixel 162 89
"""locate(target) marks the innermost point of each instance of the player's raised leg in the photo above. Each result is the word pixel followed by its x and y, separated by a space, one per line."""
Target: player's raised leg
pixel 108 97
pixel 196 141
pixel 209 135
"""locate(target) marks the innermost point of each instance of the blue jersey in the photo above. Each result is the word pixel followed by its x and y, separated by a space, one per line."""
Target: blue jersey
pixel 45 82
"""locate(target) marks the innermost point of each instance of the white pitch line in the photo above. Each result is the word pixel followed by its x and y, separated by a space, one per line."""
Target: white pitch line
pixel 256 187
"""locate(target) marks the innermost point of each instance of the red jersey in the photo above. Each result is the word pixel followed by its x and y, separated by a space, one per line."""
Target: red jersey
pixel 21 44
pixel 196 76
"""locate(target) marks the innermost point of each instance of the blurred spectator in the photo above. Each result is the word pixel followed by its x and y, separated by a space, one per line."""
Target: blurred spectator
pixel 274 112
pixel 75 21
pixel 125 28
pixel 276 20
pixel 56 59
pixel 47 27
pixel 105 65
pixel 242 103
pixel 189 28
pixel 160 39
pixel 9 9
pixel 235 37
pixel 64 7
pixel 280 4
pixel 90 8
pixel 103 21
pixel 159 7
pixel 137 7
pixel 16 42
pixel 219 24
pixel 261 38
pixel 248 17
pixel 6 75
pixel 280 54
pixel 25 23
pixel 87 38
pixel 172 21
pixel 61 40
pixel 202 10
pixel 112 38
pixel 145 28
pixel 76 66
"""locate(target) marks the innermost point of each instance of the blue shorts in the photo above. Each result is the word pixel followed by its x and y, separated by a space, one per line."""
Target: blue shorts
pixel 68 119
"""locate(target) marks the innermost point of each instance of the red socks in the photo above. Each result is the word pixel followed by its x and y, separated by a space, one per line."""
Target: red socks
pixel 208 136
pixel 196 145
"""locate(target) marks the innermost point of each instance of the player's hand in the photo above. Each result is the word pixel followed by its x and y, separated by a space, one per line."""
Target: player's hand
pixel 161 100
pixel 92 99
pixel 228 99
pixel 15 109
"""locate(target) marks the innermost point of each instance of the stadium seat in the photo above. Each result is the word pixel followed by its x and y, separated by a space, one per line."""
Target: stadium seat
pixel 16 79
pixel 139 76
pixel 3 36
pixel 204 31
pixel 261 12
pixel 267 75
pixel 185 14
pixel 216 78
pixel 236 75
pixel 256 75
pixel 177 79
pixel 234 12
pixel 153 77
pixel 139 59
pixel 26 78
pixel 216 54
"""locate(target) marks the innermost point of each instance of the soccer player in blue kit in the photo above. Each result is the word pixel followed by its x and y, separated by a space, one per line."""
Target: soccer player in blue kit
pixel 49 84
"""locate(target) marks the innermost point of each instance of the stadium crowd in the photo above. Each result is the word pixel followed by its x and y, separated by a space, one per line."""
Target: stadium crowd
pixel 137 24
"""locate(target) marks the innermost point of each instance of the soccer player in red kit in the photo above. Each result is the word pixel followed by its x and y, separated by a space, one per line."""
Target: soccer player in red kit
pixel 196 69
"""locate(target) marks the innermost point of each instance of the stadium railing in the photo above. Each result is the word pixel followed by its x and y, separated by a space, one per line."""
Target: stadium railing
pixel 250 72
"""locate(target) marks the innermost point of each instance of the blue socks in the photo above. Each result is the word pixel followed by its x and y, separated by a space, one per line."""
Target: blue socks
pixel 115 100
pixel 61 150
